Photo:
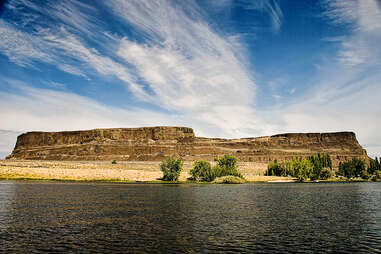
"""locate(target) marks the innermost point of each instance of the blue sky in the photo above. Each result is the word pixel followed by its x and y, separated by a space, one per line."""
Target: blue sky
pixel 225 68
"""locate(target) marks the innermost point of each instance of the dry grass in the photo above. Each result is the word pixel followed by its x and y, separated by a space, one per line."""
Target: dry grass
pixel 105 170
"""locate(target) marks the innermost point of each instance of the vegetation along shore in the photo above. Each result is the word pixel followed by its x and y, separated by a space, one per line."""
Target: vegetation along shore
pixel 315 168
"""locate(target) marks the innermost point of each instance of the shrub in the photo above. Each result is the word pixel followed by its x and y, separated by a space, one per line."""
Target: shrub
pixel 376 176
pixel 229 179
pixel 227 161
pixel 319 162
pixel 171 168
pixel 326 173
pixel 226 165
pixel 302 169
pixel 364 174
pixel 202 171
pixel 352 168
pixel 274 169
pixel 113 162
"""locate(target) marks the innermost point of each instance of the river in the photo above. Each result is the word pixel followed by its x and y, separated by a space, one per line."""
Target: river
pixel 189 218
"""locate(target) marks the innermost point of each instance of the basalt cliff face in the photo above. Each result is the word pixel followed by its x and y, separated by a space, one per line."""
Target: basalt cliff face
pixel 157 143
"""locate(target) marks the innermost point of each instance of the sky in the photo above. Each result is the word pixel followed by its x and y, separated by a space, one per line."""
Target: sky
pixel 225 68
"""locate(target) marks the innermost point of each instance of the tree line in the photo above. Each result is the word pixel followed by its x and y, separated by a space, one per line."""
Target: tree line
pixel 320 167
pixel 202 170
pixel 314 167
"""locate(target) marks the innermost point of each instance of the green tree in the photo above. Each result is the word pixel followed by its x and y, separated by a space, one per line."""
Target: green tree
pixel 377 175
pixel 319 162
pixel 364 175
pixel 359 166
pixel 274 169
pixel 372 166
pixel 203 171
pixel 326 173
pixel 352 168
pixel 302 168
pixel 227 165
pixel 171 168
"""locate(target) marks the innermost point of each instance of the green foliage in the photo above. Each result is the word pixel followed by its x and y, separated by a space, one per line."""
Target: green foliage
pixel 274 169
pixel 352 168
pixel 374 165
pixel 319 162
pixel 171 168
pixel 364 174
pixel 227 165
pixel 326 173
pixel 202 171
pixel 113 162
pixel 377 176
pixel 227 161
pixel 302 168
pixel 229 179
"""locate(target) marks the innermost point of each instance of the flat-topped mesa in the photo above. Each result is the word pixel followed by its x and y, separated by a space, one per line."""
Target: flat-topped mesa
pixel 144 134
pixel 156 143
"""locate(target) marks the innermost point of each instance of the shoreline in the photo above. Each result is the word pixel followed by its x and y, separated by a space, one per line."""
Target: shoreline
pixel 133 172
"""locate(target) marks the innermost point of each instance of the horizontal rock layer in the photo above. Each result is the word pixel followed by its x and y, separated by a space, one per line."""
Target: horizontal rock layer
pixel 156 143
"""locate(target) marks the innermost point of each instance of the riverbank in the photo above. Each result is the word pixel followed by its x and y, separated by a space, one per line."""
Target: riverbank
pixel 125 171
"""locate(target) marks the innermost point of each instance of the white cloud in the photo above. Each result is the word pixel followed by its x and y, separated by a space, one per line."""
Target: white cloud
pixel 196 73
pixel 346 93
pixel 270 7
pixel 190 68
pixel 31 109
pixel 363 17
pixel 7 142
pixel 357 111
pixel 21 48
pixel 71 69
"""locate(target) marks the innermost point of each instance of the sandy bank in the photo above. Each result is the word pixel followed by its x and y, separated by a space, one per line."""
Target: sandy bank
pixel 106 171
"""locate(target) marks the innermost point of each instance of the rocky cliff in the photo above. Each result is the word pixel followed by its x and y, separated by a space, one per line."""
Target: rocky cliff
pixel 156 143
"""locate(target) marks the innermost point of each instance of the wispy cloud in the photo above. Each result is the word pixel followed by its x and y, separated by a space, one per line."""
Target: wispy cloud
pixel 185 67
pixel 346 92
pixel 364 20
pixel 190 68
pixel 28 109
pixel 269 7
pixel 20 47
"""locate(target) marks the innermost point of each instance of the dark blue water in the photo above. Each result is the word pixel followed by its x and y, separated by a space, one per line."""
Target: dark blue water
pixel 155 218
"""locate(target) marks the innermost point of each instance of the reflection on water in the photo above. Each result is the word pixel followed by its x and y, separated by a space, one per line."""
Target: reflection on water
pixel 85 217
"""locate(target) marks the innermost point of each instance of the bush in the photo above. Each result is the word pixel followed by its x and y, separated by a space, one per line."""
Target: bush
pixel 303 169
pixel 352 168
pixel 274 169
pixel 202 171
pixel 113 162
pixel 229 179
pixel 171 168
pixel 377 176
pixel 319 162
pixel 364 175
pixel 326 173
pixel 226 165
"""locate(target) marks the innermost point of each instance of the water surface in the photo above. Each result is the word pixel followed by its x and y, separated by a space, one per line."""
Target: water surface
pixel 162 218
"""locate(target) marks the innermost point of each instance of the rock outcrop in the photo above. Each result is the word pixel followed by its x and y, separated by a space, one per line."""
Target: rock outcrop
pixel 156 143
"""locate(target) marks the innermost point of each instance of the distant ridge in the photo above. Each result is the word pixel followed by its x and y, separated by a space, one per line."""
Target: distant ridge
pixel 156 143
